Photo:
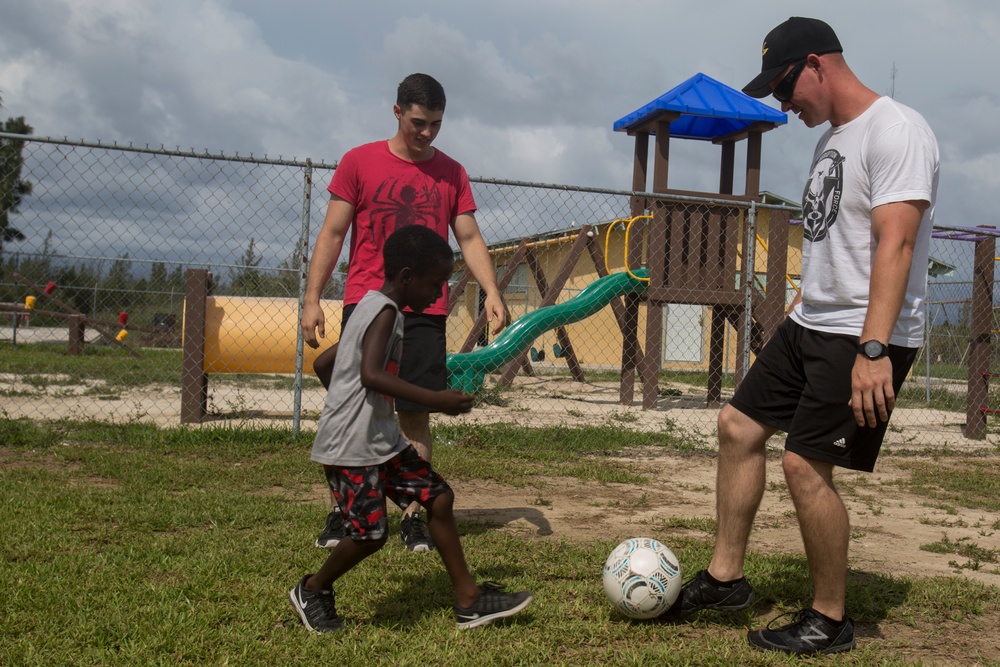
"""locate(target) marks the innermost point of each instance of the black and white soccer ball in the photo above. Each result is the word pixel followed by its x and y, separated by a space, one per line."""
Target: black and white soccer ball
pixel 642 578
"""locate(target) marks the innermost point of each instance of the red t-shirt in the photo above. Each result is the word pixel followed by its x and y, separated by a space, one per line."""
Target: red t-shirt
pixel 388 192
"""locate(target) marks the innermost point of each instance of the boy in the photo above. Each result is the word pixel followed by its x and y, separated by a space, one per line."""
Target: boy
pixel 365 456
pixel 377 188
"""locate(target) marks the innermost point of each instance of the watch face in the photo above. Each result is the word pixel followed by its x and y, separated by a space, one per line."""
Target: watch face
pixel 874 349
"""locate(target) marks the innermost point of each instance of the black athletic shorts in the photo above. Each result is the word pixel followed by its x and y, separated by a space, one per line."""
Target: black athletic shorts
pixel 801 384
pixel 424 350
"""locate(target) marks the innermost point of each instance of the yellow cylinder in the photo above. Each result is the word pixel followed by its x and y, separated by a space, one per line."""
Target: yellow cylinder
pixel 258 334
pixel 29 302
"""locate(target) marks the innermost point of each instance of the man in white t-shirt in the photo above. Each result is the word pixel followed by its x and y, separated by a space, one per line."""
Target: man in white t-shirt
pixel 830 374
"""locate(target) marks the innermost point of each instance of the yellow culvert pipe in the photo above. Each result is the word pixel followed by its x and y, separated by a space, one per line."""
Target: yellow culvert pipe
pixel 258 334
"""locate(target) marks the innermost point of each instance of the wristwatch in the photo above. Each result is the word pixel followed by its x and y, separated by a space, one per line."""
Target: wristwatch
pixel 873 349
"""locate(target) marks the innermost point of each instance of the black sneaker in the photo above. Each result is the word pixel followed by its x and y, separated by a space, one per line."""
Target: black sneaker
pixel 808 634
pixel 316 608
pixel 699 593
pixel 333 532
pixel 493 603
pixel 413 532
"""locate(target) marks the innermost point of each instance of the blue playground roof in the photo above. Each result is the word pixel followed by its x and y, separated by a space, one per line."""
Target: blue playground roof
pixel 708 109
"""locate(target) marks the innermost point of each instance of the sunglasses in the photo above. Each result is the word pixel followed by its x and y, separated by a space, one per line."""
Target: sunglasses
pixel 786 87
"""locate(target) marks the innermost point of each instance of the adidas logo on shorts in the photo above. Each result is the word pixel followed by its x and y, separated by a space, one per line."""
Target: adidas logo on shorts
pixel 840 442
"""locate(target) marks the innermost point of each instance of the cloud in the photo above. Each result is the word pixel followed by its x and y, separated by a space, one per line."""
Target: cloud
pixel 188 74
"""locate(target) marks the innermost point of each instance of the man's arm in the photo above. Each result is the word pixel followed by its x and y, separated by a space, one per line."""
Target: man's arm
pixel 329 243
pixel 895 228
pixel 376 378
pixel 477 258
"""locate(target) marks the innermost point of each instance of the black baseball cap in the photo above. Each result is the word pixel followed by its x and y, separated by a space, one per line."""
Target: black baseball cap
pixel 793 40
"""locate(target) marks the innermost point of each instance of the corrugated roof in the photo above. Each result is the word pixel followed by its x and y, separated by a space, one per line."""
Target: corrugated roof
pixel 709 110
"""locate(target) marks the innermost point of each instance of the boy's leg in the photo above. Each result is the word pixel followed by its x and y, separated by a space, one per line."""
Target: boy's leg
pixel 360 494
pixel 342 559
pixel 441 524
pixel 410 476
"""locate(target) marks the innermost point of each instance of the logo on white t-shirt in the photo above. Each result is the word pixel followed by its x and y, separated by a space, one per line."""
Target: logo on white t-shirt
pixel 821 199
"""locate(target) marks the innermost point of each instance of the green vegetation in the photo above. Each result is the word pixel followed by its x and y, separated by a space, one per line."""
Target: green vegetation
pixel 968 482
pixel 45 364
pixel 133 545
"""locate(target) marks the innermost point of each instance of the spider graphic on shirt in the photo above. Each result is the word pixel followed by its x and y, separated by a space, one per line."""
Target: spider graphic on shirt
pixel 397 204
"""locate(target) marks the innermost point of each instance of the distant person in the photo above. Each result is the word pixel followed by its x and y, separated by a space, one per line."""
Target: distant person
pixel 830 375
pixel 376 189
pixel 367 459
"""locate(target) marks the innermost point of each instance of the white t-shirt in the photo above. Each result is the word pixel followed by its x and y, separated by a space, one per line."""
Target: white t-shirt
pixel 887 154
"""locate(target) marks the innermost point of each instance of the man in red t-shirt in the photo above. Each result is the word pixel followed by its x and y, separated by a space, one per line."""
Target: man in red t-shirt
pixel 376 189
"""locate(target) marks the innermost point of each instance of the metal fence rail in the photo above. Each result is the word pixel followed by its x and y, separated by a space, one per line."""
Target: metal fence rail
pixel 113 236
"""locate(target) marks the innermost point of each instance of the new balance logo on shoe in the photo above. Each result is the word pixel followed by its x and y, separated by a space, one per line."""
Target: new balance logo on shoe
pixel 807 634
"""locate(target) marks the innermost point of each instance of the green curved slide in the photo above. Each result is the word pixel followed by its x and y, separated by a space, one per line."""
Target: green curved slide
pixel 466 371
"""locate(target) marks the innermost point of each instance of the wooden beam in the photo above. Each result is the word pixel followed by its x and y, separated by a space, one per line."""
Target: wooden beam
pixel 194 379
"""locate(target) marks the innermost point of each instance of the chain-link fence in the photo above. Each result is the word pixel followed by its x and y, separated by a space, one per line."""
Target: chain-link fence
pixel 143 284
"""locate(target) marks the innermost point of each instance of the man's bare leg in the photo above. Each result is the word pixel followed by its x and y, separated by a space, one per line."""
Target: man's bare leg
pixel 825 527
pixel 739 488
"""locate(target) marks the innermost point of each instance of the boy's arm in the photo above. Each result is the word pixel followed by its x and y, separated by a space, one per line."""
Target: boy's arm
pixel 323 364
pixel 375 377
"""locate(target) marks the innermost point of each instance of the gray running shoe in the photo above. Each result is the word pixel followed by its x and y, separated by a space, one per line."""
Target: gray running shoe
pixel 413 532
pixel 316 608
pixel 699 593
pixel 808 634
pixel 333 532
pixel 493 603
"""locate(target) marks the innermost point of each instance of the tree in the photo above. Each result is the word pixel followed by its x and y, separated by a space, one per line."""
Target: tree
pixel 13 188
pixel 247 280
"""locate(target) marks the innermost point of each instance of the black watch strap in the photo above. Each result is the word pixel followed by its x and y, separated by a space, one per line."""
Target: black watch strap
pixel 873 349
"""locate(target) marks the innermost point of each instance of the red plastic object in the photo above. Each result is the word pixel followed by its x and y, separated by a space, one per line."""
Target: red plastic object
pixel 123 318
pixel 50 288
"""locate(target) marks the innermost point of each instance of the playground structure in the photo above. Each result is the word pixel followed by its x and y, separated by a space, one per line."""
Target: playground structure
pixel 701 253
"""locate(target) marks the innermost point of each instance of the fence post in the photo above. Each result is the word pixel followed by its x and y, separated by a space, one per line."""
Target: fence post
pixel 194 379
pixel 303 280
pixel 77 334
pixel 980 333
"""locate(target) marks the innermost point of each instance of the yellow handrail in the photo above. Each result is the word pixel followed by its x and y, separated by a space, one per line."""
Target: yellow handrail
pixel 607 244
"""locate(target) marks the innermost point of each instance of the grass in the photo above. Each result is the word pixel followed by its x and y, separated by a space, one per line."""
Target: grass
pixel 133 545
pixel 44 365
pixel 969 482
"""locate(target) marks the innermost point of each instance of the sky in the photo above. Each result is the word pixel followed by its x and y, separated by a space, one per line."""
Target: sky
pixel 533 87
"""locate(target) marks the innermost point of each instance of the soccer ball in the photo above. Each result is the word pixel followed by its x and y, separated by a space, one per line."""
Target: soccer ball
pixel 642 578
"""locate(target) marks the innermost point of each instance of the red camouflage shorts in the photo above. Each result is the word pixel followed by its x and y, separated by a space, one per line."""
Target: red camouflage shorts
pixel 361 491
